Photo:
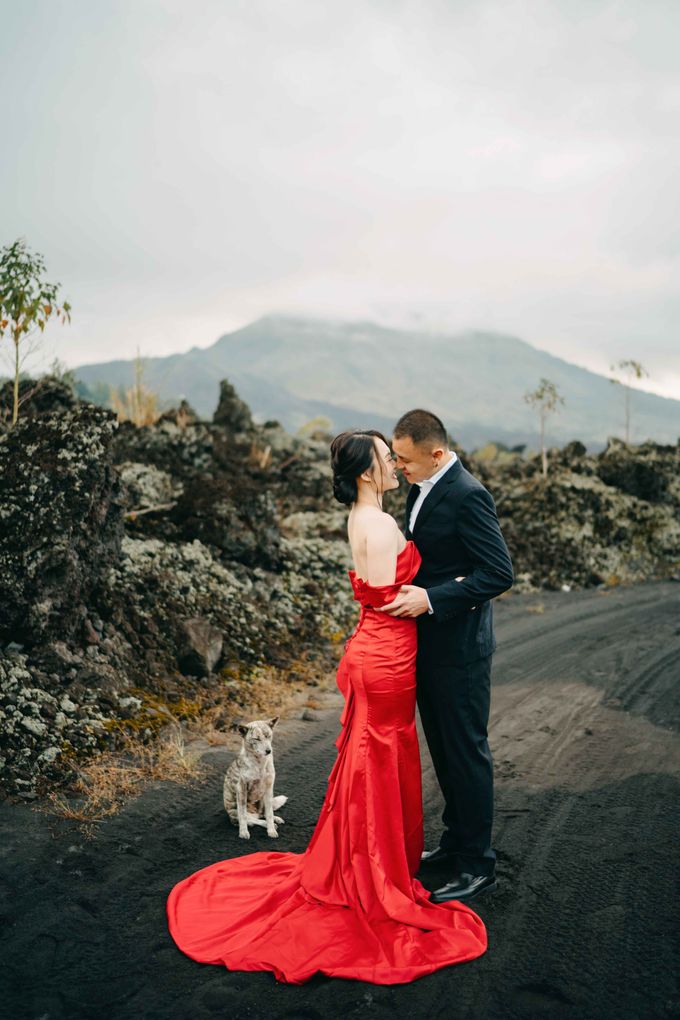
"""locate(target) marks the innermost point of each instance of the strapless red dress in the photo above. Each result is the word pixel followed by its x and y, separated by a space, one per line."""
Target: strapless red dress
pixel 349 905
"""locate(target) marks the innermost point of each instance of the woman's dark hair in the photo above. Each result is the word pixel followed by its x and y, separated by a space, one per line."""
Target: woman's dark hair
pixel 352 452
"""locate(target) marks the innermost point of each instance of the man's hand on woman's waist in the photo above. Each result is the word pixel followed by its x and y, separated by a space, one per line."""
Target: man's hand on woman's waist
pixel 411 601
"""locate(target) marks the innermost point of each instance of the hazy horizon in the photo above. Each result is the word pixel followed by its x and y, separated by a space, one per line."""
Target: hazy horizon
pixel 639 385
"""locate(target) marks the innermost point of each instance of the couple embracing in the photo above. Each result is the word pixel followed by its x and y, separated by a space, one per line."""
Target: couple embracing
pixel 351 905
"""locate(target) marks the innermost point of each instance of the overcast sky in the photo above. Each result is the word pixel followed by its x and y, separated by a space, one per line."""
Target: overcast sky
pixel 187 167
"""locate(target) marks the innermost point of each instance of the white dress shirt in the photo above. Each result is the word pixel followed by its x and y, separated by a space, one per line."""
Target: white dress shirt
pixel 426 487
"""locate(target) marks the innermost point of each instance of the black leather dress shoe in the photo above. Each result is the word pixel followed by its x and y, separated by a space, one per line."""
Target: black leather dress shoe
pixel 465 887
pixel 438 856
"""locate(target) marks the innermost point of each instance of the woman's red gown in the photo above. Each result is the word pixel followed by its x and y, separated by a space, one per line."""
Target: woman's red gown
pixel 350 905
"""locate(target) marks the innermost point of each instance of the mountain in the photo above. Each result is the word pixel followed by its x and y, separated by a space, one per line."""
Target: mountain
pixel 294 368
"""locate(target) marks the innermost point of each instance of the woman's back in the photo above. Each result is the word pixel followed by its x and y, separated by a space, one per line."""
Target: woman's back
pixel 375 541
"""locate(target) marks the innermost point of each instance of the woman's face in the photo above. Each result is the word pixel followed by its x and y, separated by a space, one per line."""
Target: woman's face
pixel 384 471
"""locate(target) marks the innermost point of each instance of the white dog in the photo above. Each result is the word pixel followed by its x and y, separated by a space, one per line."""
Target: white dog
pixel 249 783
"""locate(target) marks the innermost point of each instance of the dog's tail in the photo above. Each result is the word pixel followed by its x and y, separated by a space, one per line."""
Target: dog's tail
pixel 278 802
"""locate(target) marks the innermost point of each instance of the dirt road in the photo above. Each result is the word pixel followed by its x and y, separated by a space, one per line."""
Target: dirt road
pixel 584 732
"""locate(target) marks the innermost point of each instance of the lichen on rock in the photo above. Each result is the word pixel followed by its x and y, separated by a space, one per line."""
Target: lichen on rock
pixel 144 568
pixel 102 601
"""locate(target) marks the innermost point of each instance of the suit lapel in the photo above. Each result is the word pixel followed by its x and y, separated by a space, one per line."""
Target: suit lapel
pixel 436 494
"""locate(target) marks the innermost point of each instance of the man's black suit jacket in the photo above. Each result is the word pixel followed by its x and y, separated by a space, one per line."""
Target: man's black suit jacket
pixel 457 533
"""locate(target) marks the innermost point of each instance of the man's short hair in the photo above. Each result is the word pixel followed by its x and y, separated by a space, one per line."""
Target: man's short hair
pixel 421 427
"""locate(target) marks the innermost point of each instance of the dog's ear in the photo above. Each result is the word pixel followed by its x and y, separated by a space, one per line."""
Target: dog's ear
pixel 238 727
pixel 273 722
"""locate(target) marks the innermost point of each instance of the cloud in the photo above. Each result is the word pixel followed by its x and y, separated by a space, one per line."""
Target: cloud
pixel 510 165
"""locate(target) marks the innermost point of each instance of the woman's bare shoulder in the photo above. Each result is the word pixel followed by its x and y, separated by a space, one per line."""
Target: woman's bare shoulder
pixel 381 533
pixel 373 520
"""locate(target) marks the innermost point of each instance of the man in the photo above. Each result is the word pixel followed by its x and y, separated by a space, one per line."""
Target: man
pixel 465 564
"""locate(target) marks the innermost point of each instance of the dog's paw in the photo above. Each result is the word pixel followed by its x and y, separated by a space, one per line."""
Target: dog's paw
pixel 244 835
pixel 272 833
pixel 279 820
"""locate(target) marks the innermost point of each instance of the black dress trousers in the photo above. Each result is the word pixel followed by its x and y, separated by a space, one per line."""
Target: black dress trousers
pixel 453 701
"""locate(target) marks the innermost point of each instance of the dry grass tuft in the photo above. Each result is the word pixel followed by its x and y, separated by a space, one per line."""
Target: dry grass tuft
pixel 139 404
pixel 107 782
pixel 101 786
pixel 264 693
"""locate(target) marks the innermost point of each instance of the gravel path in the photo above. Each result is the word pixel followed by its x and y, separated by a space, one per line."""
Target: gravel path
pixel 584 732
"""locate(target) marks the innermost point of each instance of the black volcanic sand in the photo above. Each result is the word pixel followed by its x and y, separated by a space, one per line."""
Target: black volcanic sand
pixel 584 731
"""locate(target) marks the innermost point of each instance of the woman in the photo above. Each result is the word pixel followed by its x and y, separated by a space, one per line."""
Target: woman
pixel 350 905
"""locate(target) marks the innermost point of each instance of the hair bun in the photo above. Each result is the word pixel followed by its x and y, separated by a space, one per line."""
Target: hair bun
pixel 344 489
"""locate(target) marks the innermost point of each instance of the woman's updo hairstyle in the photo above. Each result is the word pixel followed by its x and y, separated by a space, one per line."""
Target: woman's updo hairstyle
pixel 352 452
